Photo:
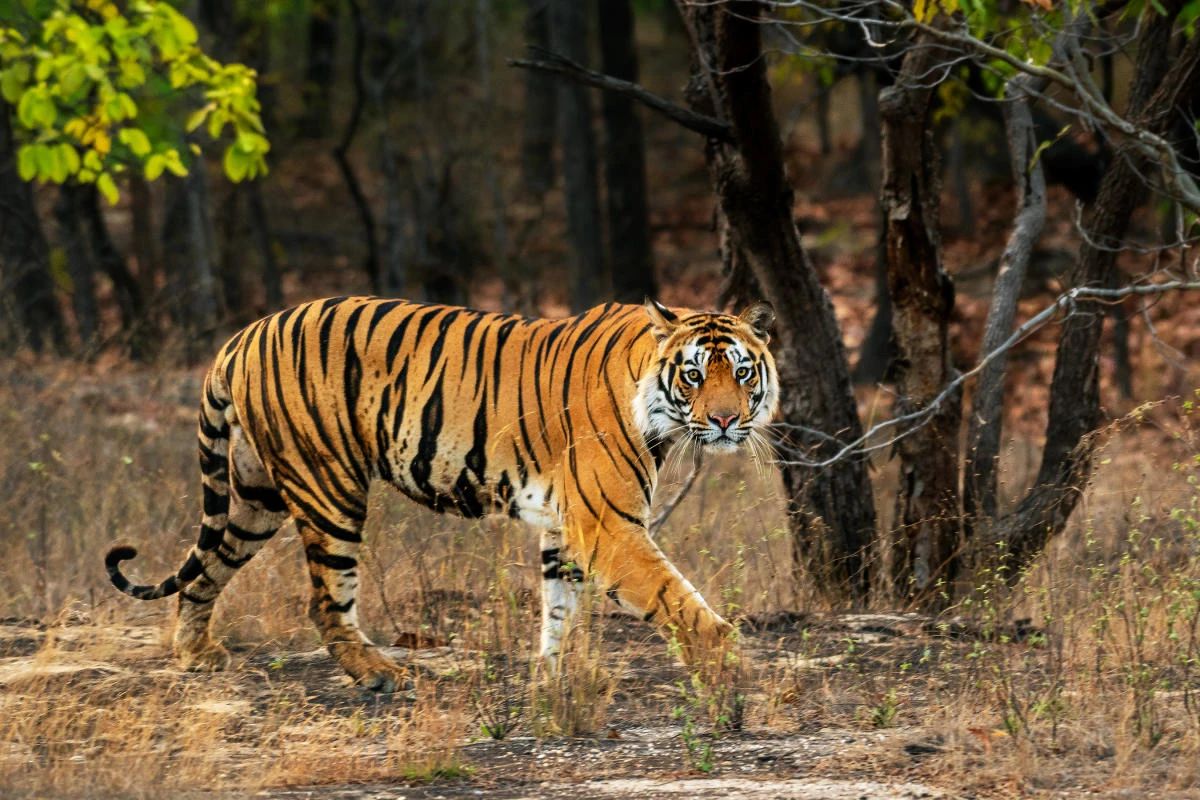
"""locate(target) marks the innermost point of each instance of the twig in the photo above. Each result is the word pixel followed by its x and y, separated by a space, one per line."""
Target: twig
pixel 660 518
pixel 566 68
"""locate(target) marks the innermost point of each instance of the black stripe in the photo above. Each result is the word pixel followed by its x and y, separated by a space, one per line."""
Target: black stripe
pixel 326 559
pixel 248 536
pixel 265 496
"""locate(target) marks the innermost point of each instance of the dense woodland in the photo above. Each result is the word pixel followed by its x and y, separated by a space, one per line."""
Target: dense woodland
pixel 169 172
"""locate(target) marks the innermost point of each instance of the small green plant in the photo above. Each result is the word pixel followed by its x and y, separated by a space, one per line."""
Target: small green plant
pixel 886 710
pixel 698 746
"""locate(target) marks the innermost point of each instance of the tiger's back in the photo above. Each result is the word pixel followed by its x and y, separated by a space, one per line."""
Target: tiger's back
pixel 437 400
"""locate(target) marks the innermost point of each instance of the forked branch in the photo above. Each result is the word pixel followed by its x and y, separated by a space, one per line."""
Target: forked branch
pixel 566 68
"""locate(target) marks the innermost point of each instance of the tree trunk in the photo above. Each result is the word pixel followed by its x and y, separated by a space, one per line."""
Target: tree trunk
pixel 69 214
pixel 987 415
pixel 30 310
pixel 145 243
pixel 925 543
pixel 138 329
pixel 341 152
pixel 568 37
pixel 630 255
pixel 259 221
pixel 832 516
pixel 537 139
pixel 318 71
pixel 1075 391
pixel 188 261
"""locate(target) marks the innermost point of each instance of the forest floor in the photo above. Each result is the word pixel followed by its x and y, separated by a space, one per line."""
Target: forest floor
pixel 640 750
pixel 115 717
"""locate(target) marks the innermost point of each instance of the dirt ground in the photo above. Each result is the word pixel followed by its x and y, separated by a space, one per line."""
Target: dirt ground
pixel 786 749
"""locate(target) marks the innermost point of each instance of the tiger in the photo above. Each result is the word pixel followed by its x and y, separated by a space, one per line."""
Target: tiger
pixel 561 423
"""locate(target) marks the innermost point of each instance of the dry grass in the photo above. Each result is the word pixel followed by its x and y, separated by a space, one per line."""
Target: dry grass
pixel 1099 691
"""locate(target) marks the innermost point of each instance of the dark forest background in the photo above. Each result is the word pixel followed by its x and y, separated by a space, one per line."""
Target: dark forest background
pixel 906 184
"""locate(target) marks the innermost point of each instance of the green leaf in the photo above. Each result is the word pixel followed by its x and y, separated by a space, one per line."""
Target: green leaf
pixel 12 81
pixel 69 157
pixel 155 166
pixel 236 164
pixel 107 187
pixel 136 140
pixel 27 166
pixel 196 118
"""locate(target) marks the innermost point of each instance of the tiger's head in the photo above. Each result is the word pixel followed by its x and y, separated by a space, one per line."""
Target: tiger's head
pixel 713 382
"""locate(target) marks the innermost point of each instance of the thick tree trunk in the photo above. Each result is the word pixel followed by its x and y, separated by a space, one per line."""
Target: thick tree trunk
pixel 1075 391
pixel 925 542
pixel 630 256
pixel 30 313
pixel 832 513
pixel 537 139
pixel 568 37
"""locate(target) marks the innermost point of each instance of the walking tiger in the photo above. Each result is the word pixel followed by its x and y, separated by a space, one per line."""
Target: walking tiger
pixel 560 423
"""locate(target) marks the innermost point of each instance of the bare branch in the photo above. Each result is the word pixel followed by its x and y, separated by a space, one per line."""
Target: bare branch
pixel 1066 304
pixel 566 68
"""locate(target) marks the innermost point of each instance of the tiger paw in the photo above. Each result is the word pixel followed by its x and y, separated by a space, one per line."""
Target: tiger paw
pixel 386 682
pixel 210 658
pixel 378 673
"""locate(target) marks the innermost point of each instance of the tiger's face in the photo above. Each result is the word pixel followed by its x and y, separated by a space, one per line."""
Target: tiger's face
pixel 714 380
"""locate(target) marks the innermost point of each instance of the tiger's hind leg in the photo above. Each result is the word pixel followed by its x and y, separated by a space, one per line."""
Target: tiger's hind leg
pixel 561 586
pixel 331 533
pixel 255 512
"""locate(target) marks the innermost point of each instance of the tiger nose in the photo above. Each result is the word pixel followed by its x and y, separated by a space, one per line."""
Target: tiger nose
pixel 723 420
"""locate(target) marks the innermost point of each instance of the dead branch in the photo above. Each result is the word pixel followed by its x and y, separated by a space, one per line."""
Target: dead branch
pixel 566 68
pixel 1065 305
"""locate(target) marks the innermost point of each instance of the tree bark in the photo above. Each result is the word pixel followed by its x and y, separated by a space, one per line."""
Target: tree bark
pixel 1075 392
pixel 260 222
pixel 138 329
pixel 630 255
pixel 568 37
pixel 987 415
pixel 925 542
pixel 832 515
pixel 30 310
pixel 318 71
pixel 188 261
pixel 68 213
pixel 537 139
pixel 341 152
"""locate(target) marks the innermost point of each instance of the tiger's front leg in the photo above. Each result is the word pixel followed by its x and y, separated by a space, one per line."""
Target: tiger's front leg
pixel 562 583
pixel 635 573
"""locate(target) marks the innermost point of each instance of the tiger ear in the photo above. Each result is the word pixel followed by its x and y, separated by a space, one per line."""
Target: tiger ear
pixel 759 316
pixel 663 321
